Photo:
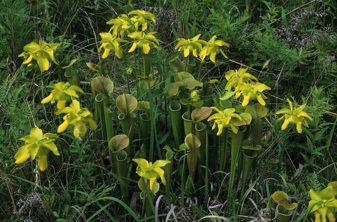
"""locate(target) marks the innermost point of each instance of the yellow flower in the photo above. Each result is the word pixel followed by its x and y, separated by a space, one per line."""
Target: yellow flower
pixel 194 96
pixel 151 171
pixel 37 145
pixel 237 77
pixel 142 18
pixel 212 48
pixel 193 45
pixel 323 204
pixel 62 92
pixel 223 118
pixel 129 70
pixel 294 116
pixel 77 117
pixel 42 53
pixel 121 24
pixel 143 41
pixel 109 43
pixel 251 91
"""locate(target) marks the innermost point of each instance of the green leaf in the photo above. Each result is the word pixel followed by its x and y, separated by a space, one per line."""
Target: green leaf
pixel 182 75
pixel 119 142
pixel 172 89
pixel 192 141
pixel 246 119
pixel 143 105
pixel 200 113
pixel 257 111
pixel 281 198
pixel 191 83
pixel 70 64
pixel 126 103
pixel 227 95
pixel 103 85
pixel 94 67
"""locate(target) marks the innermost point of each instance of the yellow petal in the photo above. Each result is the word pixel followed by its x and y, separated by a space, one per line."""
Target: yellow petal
pixel 317 217
pixel 261 100
pixel 61 104
pixel 304 114
pixel 234 129
pixel 146 48
pixel 245 100
pixel 23 158
pixel 50 52
pixel 133 47
pixel 186 52
pixel 76 105
pixel 28 60
pixel 106 53
pixel 22 155
pixel 119 53
pixel 141 162
pixel 63 126
pixel 52 147
pixel 42 163
pixel 152 181
pixel 220 129
pixel 285 124
pixel 48 98
pixel 195 53
pixel 92 124
pixel 290 104
pixel 212 57
pixel 160 172
pixel 202 54
pixel 161 163
pixel 299 127
pixel 43 63
pixel 80 129
pixel 33 150
pixel 284 111
pixel 36 133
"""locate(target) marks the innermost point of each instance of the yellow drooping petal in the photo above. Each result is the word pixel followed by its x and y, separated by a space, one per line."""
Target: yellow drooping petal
pixel 234 129
pixel 43 63
pixel 61 104
pixel 212 57
pixel 133 47
pixel 195 53
pixel 80 129
pixel 203 54
pixel 61 128
pixel 146 48
pixel 152 181
pixel 285 124
pixel 119 53
pixel 261 100
pixel 42 163
pixel 186 52
pixel 47 99
pixel 220 129
pixel 245 100
pixel 28 60
pixel 106 53
pixel 92 124
pixel 299 127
